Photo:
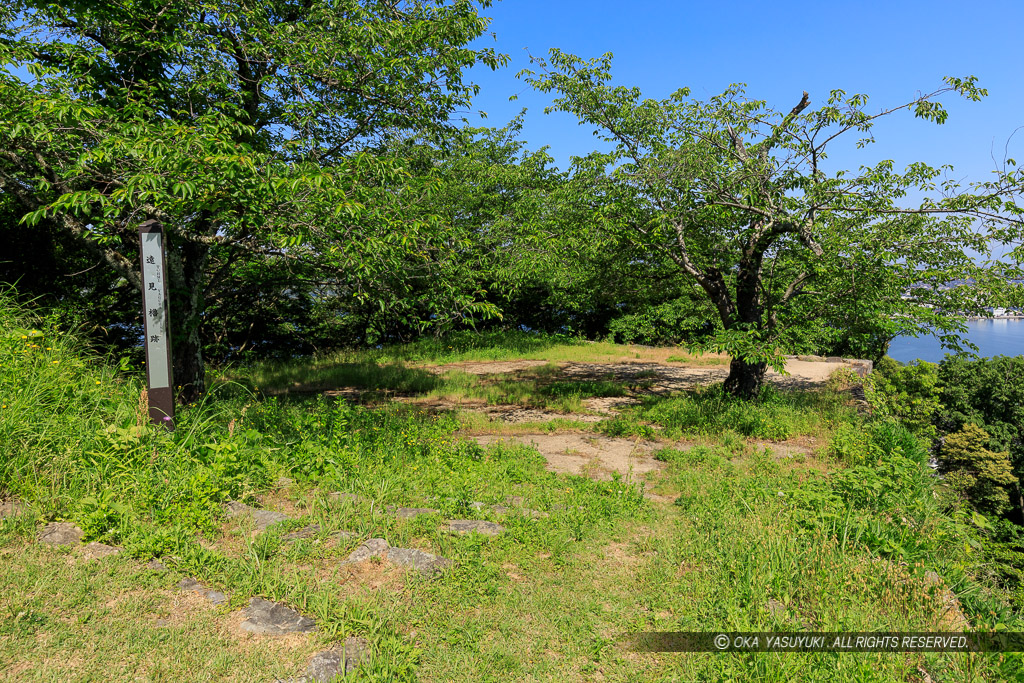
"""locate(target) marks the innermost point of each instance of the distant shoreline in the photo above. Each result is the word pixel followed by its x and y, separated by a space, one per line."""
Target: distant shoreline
pixel 994 317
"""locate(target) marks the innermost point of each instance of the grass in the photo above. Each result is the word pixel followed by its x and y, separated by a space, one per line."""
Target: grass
pixel 547 600
pixel 775 416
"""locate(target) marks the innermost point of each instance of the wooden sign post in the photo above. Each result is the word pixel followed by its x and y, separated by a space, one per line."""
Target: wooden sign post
pixel 159 379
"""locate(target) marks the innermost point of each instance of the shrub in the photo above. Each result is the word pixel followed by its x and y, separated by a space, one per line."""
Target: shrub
pixel 975 473
pixel 990 394
pixel 909 393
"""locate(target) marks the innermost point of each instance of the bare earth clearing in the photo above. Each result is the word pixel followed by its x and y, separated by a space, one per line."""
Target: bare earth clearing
pixel 598 456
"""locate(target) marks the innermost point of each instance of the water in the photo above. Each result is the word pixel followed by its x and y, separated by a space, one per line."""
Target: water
pixel 993 337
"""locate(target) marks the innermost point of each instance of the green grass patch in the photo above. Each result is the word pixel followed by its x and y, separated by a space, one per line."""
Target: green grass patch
pixel 775 416
pixel 750 544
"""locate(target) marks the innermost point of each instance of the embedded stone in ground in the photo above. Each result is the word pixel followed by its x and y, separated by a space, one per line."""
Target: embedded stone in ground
pixel 325 666
pixel 369 548
pixel 190 584
pixel 272 619
pixel 417 559
pixel 260 519
pixel 466 526
pixel 409 513
pixel 9 508
pixel 343 534
pixel 156 565
pixel 95 551
pixel 60 533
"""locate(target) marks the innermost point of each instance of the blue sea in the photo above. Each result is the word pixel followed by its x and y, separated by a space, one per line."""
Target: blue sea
pixel 993 337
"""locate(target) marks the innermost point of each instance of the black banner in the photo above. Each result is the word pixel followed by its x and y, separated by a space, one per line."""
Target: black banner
pixel 767 641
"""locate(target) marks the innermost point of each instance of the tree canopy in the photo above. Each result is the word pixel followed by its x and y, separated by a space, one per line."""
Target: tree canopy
pixel 738 198
pixel 255 131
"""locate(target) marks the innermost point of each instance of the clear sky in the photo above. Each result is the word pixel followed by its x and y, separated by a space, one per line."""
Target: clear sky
pixel 888 50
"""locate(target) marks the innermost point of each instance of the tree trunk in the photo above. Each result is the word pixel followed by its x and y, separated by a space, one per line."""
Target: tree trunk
pixel 745 379
pixel 187 266
pixel 189 368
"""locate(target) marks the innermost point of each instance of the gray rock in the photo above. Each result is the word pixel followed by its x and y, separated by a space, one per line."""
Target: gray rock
pixel 156 565
pixel 342 534
pixel 60 533
pixel 833 359
pixel 369 548
pixel 325 666
pixel 863 368
pixel 95 551
pixel 776 608
pixel 409 513
pixel 417 559
pixel 261 519
pixel 467 526
pixel 191 585
pixel 272 619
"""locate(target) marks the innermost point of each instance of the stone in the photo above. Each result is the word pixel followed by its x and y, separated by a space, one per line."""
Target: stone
pixel 191 585
pixel 95 551
pixel 60 534
pixel 325 666
pixel 833 359
pixel 344 535
pixel 863 368
pixel 304 532
pixel 467 526
pixel 374 547
pixel 409 513
pixel 776 608
pixel 261 519
pixel 284 482
pixel 9 508
pixel 268 618
pixel 156 565
pixel 417 559
pixel 518 501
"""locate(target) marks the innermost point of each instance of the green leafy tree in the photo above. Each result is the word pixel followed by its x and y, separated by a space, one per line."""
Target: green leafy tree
pixel 253 131
pixel 987 392
pixel 981 476
pixel 910 393
pixel 737 197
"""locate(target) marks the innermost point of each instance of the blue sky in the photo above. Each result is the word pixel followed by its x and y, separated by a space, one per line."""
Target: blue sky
pixel 888 50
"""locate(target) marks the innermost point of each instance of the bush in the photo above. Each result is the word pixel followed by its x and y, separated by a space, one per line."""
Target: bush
pixel 976 474
pixel 990 394
pixel 909 393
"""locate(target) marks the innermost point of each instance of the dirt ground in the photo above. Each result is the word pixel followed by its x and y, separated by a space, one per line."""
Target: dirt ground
pixel 590 455
pixel 663 377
